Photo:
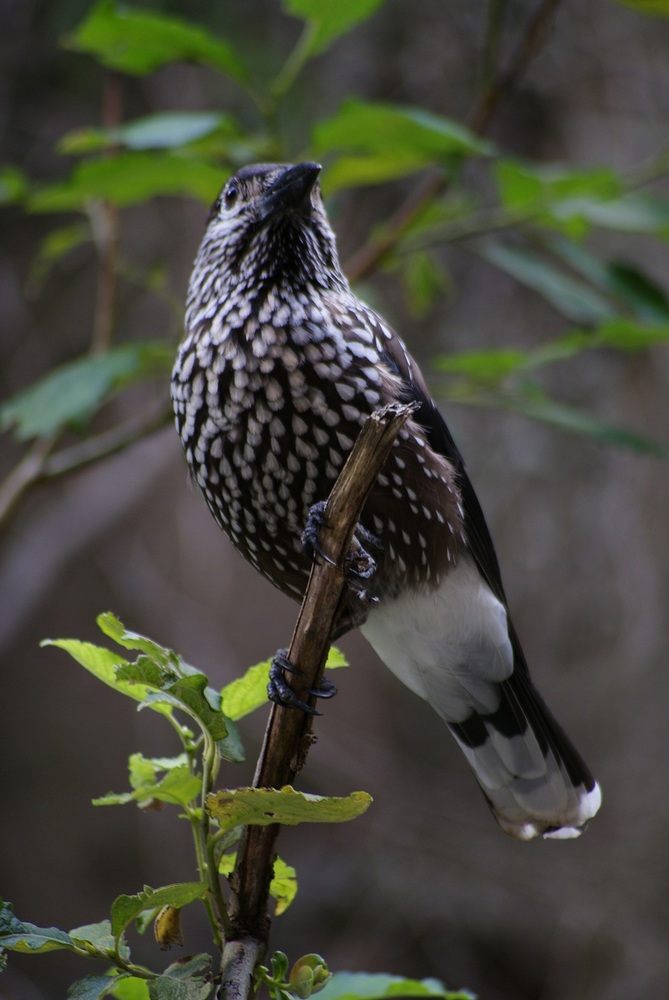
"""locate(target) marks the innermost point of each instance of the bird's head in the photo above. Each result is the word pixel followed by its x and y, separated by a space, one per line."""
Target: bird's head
pixel 268 225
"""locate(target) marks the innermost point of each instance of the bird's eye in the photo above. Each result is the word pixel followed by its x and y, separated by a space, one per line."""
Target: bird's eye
pixel 231 194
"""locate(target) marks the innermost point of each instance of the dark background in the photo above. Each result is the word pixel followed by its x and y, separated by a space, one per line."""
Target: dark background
pixel 425 883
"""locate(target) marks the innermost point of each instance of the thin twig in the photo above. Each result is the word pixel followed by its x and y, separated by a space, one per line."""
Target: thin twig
pixel 104 222
pixel 24 475
pixel 530 42
pixel 288 735
pixel 41 463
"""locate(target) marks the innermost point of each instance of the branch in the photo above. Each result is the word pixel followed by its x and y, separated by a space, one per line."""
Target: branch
pixel 435 182
pixel 288 735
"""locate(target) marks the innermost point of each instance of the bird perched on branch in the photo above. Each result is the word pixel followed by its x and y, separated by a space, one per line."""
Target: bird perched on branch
pixel 279 368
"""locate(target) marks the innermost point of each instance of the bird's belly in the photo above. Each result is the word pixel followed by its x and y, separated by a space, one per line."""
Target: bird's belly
pixel 450 645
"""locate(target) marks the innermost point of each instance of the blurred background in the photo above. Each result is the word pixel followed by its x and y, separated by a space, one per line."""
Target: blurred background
pixel 424 884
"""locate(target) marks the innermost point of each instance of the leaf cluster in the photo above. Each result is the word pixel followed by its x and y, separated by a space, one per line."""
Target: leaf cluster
pixel 157 678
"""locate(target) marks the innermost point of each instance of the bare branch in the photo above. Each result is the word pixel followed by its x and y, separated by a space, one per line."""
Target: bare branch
pixel 288 735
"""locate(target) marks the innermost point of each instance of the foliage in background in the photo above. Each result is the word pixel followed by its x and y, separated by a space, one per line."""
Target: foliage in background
pixel 158 679
pixel 532 221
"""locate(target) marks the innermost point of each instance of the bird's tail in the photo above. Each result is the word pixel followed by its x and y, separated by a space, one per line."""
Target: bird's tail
pixel 534 780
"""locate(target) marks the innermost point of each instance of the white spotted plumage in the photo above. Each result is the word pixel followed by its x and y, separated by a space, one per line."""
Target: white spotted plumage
pixel 279 368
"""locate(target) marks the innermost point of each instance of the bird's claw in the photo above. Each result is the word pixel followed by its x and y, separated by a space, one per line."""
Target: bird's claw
pixel 282 694
pixel 358 562
pixel 312 530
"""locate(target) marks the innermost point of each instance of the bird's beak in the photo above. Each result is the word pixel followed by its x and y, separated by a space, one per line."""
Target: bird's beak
pixel 291 189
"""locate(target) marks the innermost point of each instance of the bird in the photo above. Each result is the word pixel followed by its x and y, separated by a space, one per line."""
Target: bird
pixel 279 367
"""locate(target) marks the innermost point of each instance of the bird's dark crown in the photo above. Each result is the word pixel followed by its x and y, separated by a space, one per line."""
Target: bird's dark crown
pixel 269 223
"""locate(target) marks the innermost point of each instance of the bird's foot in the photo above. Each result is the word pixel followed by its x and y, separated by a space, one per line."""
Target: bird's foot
pixel 282 694
pixel 358 562
pixel 312 532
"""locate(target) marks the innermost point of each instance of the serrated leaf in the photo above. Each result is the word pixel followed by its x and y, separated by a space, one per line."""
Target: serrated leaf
pixel 328 19
pixel 103 664
pixel 264 806
pixel 72 393
pixel 114 629
pixel 567 295
pixel 130 178
pixel 125 908
pixel 377 986
pixel 139 42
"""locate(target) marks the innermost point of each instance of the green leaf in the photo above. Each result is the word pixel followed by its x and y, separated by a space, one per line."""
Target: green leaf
pixel 526 186
pixel 575 421
pixel 178 786
pixel 653 8
pixel 98 935
pixel 389 141
pixel 631 335
pixel 103 664
pixel 336 659
pixel 125 909
pixel 72 393
pixel 628 214
pixel 484 365
pixel 139 42
pixel 263 806
pixel 163 130
pixel 57 245
pixel 638 291
pixel 114 628
pixel 283 887
pixel 370 986
pixel 190 968
pixel 13 185
pixel 167 988
pixel 567 295
pixel 376 986
pixel 328 19
pixel 129 178
pixel 92 987
pixel 15 935
pixel 247 693
pixel 130 988
pixel 424 280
